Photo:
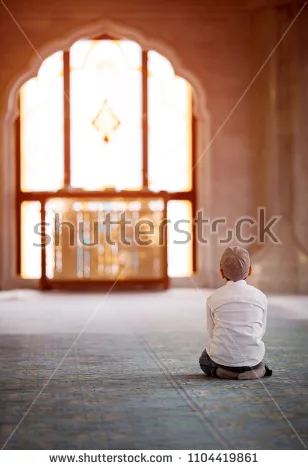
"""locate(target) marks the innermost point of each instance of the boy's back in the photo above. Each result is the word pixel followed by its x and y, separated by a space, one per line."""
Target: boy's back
pixel 236 323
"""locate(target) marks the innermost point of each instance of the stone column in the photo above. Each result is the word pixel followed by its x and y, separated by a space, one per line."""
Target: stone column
pixel 277 265
pixel 300 168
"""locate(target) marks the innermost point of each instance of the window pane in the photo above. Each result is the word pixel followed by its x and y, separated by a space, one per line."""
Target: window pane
pixel 30 255
pixel 84 248
pixel 179 254
pixel 42 147
pixel 106 130
pixel 169 127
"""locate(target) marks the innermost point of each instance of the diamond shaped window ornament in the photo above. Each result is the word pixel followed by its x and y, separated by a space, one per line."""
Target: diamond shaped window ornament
pixel 106 122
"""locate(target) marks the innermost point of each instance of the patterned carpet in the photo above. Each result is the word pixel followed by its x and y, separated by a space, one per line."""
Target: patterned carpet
pixel 131 380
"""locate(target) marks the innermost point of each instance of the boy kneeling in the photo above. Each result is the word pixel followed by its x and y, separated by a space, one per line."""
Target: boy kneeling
pixel 236 323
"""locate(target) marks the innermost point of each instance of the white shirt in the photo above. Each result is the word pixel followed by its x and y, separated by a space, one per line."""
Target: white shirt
pixel 236 323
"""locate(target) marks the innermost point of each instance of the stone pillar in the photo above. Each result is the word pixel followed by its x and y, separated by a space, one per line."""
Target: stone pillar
pixel 277 265
pixel 300 169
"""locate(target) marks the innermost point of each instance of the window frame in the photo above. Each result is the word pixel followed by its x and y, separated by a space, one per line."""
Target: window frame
pixel 66 191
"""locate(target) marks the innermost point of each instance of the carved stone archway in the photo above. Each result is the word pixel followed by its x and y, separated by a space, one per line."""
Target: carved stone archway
pixel 8 277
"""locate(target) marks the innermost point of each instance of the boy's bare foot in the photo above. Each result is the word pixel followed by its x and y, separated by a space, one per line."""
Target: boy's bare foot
pixel 253 374
pixel 226 374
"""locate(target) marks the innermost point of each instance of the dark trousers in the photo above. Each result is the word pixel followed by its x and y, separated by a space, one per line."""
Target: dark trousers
pixel 209 367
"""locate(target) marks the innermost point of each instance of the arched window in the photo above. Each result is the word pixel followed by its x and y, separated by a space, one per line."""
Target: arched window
pixel 104 128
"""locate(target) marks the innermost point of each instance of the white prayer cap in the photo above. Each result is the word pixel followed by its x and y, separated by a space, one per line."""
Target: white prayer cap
pixel 235 263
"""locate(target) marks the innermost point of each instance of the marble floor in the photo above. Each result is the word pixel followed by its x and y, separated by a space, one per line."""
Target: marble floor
pixel 86 371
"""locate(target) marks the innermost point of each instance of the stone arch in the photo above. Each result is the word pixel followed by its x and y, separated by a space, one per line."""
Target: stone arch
pixel 116 30
pixel 7 276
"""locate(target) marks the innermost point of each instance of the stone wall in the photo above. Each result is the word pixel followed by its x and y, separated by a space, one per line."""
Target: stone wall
pixel 219 46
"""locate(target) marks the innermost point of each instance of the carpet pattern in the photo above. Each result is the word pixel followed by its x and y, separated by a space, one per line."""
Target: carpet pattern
pixel 132 380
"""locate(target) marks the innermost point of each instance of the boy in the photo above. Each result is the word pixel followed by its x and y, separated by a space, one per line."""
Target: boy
pixel 236 323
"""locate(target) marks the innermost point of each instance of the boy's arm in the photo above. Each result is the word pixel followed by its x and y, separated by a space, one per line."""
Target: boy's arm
pixel 264 318
pixel 209 320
